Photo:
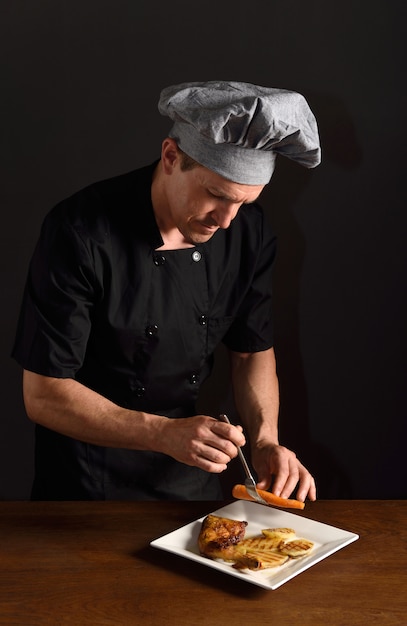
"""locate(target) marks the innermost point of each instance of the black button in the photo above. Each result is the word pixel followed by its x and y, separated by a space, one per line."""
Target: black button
pixel 151 330
pixel 203 320
pixel 140 391
pixel 159 259
pixel 193 379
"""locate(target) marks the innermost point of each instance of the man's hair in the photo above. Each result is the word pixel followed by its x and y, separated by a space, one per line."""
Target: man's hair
pixel 187 162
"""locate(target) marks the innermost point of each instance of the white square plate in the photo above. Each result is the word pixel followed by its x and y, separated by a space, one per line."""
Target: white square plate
pixel 327 540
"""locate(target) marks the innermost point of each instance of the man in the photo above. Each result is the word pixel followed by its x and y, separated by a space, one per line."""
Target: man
pixel 135 281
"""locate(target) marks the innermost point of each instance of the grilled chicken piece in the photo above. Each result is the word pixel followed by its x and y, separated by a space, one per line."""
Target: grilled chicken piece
pixel 219 535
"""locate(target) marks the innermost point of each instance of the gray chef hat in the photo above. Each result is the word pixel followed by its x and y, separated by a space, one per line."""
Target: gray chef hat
pixel 236 129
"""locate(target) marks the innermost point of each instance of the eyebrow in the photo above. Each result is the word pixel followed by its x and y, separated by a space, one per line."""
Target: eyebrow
pixel 222 194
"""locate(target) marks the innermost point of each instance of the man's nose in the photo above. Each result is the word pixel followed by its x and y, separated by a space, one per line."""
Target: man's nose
pixel 225 214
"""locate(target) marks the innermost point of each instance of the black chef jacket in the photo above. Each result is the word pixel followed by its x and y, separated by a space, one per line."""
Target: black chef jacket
pixel 103 306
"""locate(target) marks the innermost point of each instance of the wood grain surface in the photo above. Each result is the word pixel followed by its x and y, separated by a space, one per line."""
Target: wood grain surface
pixel 90 563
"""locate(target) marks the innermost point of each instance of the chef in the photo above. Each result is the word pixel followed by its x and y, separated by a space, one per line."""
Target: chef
pixel 133 283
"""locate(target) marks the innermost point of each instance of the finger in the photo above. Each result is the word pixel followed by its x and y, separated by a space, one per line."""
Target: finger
pixel 208 459
pixel 215 455
pixel 214 450
pixel 307 488
pixel 217 449
pixel 281 477
pixel 208 466
pixel 286 484
pixel 229 432
pixel 264 483
pixel 288 475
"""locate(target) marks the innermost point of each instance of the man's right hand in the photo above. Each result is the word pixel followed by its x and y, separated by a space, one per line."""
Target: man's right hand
pixel 201 441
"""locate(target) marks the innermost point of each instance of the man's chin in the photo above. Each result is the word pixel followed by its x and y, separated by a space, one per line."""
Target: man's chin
pixel 196 238
pixel 201 239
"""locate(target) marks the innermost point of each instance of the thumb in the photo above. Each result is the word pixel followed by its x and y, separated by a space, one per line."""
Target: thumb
pixel 264 482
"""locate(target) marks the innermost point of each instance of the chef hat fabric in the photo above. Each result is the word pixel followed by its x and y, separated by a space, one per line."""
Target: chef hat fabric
pixel 236 129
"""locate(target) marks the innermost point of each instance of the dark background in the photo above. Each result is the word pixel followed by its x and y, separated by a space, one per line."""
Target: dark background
pixel 80 85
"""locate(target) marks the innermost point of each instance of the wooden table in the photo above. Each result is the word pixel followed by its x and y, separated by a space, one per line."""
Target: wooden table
pixel 91 563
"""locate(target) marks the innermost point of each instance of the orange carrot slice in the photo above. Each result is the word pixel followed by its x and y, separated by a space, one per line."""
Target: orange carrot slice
pixel 240 493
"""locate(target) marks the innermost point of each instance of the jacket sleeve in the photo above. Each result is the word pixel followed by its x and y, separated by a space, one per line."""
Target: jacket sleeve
pixel 60 291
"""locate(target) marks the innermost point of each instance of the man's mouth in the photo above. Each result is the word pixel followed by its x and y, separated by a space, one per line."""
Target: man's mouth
pixel 211 226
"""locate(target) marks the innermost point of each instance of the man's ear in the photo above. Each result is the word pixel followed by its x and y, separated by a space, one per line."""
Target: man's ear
pixel 169 154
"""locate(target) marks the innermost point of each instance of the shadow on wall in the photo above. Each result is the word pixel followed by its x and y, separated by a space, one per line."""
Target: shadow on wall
pixel 217 397
pixel 337 132
pixel 339 145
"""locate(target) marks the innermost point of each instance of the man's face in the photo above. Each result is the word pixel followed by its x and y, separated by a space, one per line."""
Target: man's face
pixel 199 201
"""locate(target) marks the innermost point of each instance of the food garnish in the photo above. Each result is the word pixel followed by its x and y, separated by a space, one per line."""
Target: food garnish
pixel 240 493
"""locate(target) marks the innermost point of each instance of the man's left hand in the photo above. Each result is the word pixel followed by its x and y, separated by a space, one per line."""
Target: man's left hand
pixel 279 467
